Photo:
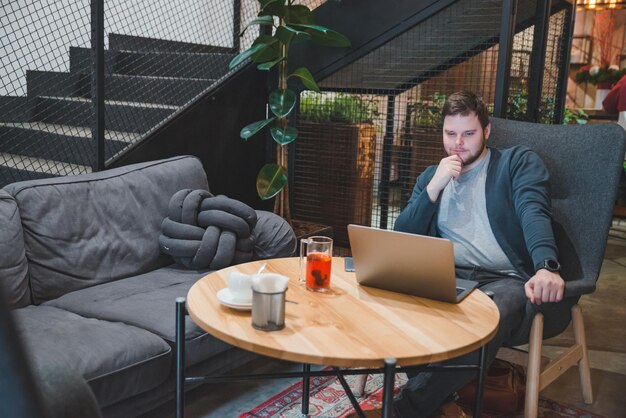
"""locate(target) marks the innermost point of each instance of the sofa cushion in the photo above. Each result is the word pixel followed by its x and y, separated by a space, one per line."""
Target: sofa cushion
pixel 117 360
pixel 84 230
pixel 148 302
pixel 13 265
pixel 204 231
pixel 274 238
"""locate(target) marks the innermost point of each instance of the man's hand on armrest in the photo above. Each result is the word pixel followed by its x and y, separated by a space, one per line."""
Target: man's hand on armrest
pixel 545 286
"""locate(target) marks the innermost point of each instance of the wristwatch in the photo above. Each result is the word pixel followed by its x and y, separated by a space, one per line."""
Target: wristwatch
pixel 551 264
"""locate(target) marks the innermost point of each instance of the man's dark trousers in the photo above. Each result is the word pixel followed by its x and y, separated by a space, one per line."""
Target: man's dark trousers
pixel 425 392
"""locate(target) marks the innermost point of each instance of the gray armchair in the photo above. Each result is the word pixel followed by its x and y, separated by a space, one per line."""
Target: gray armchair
pixel 584 163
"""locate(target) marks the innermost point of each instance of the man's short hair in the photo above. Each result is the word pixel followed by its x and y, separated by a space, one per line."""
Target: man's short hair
pixel 463 103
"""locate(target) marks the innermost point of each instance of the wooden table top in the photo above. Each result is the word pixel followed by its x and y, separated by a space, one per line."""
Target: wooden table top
pixel 350 326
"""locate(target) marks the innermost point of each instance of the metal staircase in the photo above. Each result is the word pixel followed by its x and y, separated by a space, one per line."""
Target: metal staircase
pixel 149 93
pixel 49 133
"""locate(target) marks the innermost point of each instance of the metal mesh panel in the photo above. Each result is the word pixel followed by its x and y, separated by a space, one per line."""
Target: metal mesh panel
pixel 520 71
pixel 356 164
pixel 554 66
pixel 159 56
pixel 362 170
pixel 33 62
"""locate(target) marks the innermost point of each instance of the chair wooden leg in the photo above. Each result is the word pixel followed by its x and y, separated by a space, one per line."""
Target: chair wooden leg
pixel 534 367
pixel 583 364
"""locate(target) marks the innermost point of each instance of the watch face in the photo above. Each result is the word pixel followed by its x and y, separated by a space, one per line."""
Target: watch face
pixel 552 265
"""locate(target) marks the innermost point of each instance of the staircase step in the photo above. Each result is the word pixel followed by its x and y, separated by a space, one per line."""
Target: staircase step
pixel 16 109
pixel 119 115
pixel 146 89
pixel 50 83
pixel 44 167
pixel 75 131
pixel 63 143
pixel 164 90
pixel 140 44
pixel 10 175
pixel 178 65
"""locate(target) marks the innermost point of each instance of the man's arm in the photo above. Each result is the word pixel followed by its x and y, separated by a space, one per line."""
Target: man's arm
pixel 420 211
pixel 449 168
pixel 531 197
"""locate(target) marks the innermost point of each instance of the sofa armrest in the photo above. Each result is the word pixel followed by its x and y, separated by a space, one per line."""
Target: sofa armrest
pixel 274 237
pixel 66 394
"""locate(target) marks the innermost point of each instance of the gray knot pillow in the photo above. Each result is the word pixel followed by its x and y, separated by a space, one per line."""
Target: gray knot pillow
pixel 205 231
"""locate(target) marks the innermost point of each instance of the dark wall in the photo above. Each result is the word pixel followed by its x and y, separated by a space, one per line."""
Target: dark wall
pixel 210 129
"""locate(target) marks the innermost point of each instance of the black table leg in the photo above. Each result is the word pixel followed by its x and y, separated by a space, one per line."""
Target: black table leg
pixel 306 382
pixel 180 357
pixel 481 382
pixel 388 382
pixel 348 390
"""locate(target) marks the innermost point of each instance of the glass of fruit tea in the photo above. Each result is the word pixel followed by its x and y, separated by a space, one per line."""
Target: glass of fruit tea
pixel 316 258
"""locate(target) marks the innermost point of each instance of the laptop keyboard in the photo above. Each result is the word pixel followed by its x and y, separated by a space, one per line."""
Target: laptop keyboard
pixel 459 290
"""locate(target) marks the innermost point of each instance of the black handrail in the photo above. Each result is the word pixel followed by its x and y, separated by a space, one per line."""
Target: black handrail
pixel 537 60
pixel 97 81
pixel 507 31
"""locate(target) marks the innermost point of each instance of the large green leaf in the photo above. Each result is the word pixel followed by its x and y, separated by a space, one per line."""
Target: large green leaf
pixel 270 181
pixel 274 8
pixel 269 64
pixel 266 2
pixel 245 54
pixel 263 20
pixel 306 77
pixel 254 127
pixel 282 102
pixel 324 36
pixel 271 51
pixel 264 39
pixel 284 136
pixel 298 13
pixel 287 34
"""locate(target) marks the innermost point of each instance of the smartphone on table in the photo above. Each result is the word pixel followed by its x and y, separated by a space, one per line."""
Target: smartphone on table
pixel 349 263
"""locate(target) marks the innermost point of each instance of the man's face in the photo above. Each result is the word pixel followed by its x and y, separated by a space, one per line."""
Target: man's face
pixel 465 137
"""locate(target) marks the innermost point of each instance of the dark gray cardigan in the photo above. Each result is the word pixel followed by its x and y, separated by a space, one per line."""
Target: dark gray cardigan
pixel 517 193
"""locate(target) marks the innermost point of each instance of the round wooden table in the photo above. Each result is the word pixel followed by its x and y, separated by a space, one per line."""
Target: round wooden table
pixel 350 326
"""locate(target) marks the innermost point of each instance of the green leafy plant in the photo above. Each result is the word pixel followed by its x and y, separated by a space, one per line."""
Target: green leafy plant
pixel 290 23
pixel 334 107
pixel 604 76
pixel 427 112
pixel 518 105
pixel 577 116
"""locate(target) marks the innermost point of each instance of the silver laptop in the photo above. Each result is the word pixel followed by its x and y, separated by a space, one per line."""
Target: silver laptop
pixel 406 263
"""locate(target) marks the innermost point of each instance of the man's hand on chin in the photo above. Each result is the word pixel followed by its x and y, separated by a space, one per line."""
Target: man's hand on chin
pixel 544 286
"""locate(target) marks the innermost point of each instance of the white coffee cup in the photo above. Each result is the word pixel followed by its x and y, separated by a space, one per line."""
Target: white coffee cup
pixel 240 287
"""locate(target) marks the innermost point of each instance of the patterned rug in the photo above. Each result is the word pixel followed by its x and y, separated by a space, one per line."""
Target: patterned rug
pixel 328 400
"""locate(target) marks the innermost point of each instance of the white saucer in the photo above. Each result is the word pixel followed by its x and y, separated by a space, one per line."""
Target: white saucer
pixel 226 299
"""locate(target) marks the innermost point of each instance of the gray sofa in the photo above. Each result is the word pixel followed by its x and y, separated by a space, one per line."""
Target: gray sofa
pixel 90 290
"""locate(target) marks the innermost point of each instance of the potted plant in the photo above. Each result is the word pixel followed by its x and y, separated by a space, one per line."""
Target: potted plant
pixel 603 77
pixel 290 23
pixel 336 148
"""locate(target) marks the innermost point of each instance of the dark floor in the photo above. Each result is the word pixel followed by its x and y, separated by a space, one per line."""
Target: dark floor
pixel 604 314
